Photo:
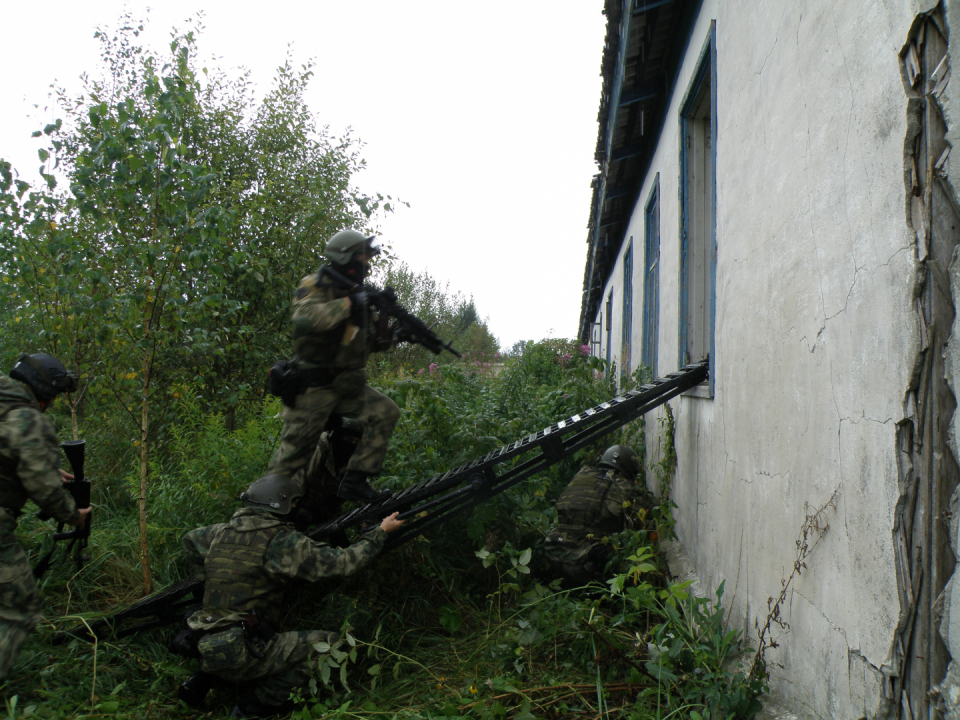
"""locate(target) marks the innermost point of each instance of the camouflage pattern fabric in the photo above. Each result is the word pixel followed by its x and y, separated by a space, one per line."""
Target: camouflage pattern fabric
pixel 286 662
pixel 304 423
pixel 326 337
pixel 597 503
pixel 236 581
pixel 29 460
pixel 290 555
pixel 577 563
pixel 30 455
pixel 19 600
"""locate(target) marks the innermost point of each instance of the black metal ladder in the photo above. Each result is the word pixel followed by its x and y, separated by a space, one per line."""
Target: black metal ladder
pixel 437 500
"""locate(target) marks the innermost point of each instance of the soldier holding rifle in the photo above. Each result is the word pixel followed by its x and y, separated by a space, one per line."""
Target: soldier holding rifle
pixel 29 469
pixel 337 322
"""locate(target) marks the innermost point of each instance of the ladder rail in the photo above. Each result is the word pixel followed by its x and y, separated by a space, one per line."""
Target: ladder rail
pixel 441 497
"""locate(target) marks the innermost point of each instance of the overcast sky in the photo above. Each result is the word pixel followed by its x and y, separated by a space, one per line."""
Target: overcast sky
pixel 482 116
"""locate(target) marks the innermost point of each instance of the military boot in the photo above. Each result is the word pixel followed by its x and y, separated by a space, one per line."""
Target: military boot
pixel 354 486
pixel 195 688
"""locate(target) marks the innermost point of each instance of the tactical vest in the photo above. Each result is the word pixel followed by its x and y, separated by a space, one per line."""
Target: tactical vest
pixel 580 505
pixel 236 582
pixel 333 348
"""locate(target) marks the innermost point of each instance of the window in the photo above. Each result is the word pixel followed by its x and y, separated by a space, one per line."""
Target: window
pixel 626 334
pixel 651 279
pixel 698 192
pixel 596 338
pixel 609 328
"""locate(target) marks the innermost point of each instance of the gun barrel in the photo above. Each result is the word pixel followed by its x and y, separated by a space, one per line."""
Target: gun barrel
pixel 79 487
pixel 74 450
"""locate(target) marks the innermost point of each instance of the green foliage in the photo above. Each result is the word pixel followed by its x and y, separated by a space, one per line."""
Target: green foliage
pixel 192 212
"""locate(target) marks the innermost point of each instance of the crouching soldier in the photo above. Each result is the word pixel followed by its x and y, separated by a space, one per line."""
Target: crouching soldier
pixel 29 469
pixel 599 502
pixel 245 564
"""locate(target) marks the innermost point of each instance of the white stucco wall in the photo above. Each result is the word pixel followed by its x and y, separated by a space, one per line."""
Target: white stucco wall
pixel 815 331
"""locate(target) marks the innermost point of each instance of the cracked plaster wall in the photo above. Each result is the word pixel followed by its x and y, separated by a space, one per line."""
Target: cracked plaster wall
pixel 816 332
pixel 950 623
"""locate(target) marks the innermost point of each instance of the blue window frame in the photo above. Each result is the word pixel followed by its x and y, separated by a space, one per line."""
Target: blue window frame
pixel 626 335
pixel 651 279
pixel 609 329
pixel 698 200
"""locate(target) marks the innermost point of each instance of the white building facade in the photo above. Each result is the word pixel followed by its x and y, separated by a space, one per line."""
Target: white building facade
pixel 775 192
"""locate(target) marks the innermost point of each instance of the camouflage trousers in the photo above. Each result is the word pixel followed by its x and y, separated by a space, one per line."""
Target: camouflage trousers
pixel 304 423
pixel 287 661
pixel 577 563
pixel 20 604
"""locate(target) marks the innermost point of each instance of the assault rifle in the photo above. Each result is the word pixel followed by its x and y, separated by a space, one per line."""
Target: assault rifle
pixel 406 326
pixel 79 488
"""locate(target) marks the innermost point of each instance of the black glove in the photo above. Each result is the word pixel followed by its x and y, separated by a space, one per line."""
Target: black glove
pixel 359 302
pixel 388 293
pixel 401 333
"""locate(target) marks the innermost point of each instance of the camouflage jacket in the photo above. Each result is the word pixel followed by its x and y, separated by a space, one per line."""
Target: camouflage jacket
pixel 324 335
pixel 245 563
pixel 30 455
pixel 599 502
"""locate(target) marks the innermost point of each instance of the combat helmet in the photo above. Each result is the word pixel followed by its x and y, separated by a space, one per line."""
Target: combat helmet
pixel 342 246
pixel 622 459
pixel 273 492
pixel 45 375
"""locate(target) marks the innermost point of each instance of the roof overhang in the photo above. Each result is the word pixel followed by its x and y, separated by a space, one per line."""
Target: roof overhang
pixel 642 54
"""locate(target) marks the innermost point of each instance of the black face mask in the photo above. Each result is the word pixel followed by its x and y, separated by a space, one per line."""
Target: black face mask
pixel 355 270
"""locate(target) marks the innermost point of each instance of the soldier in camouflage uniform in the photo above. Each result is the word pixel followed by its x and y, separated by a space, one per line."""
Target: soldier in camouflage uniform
pixel 320 478
pixel 598 502
pixel 334 332
pixel 29 469
pixel 245 564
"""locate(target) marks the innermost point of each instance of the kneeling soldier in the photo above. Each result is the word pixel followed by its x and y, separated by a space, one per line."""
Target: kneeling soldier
pixel 245 565
pixel 598 502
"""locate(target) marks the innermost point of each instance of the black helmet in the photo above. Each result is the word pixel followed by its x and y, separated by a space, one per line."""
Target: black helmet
pixel 272 492
pixel 622 459
pixel 45 375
